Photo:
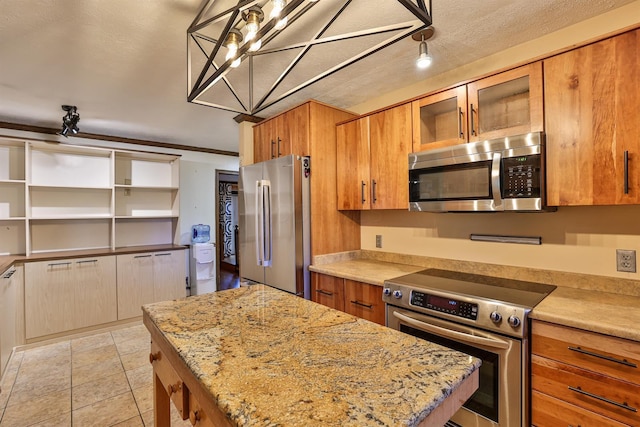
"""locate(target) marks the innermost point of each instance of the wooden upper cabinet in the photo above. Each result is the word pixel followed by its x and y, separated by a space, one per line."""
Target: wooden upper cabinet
pixel 592 127
pixel 440 120
pixel 372 161
pixel 505 104
pixel 352 165
pixel 287 133
pixel 390 144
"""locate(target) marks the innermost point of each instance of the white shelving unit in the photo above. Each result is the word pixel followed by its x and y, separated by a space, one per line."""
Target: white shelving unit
pixel 57 197
pixel 12 197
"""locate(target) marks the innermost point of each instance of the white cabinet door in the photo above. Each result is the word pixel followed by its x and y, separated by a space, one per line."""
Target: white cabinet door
pixel 135 284
pixel 10 313
pixel 169 275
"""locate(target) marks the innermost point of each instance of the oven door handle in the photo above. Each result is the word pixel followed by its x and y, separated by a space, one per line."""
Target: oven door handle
pixel 448 333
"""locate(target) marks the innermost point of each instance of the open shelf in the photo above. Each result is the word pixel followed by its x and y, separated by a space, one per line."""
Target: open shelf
pixel 146 170
pixel 13 236
pixel 12 160
pixel 12 199
pixel 64 202
pixel 145 231
pixel 51 235
pixel 146 202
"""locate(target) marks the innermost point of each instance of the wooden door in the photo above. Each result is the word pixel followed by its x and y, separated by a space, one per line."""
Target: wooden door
pixel 135 283
pixel 293 132
pixel 264 136
pixel 390 134
pixel 352 165
pixel 327 290
pixel 591 107
pixel 364 300
pixel 49 298
pixel 94 291
pixel 506 104
pixel 169 275
pixel 440 120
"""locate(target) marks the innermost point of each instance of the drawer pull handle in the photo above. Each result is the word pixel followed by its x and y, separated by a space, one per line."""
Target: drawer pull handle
pixel 194 417
pixel 320 291
pixel 8 274
pixel 142 256
pixel 602 356
pixel 154 356
pixel 362 304
pixel 54 264
pixel 173 388
pixel 164 254
pixel 603 399
pixel 87 261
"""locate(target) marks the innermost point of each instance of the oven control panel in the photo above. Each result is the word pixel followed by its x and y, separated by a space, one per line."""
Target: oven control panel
pixel 458 308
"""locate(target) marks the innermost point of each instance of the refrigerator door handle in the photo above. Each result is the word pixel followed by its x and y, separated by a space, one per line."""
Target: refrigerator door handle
pixel 259 223
pixel 266 223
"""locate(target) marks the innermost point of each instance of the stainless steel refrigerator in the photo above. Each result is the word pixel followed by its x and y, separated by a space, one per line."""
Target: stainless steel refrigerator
pixel 274 210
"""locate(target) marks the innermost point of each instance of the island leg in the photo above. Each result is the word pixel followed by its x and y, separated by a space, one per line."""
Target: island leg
pixel 161 404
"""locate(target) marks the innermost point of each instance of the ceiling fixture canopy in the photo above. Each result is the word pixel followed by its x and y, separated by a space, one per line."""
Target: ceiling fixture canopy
pixel 70 120
pixel 238 60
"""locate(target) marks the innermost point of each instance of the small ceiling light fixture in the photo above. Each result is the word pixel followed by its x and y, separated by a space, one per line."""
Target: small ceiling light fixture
pixel 424 59
pixel 233 43
pixel 70 120
pixel 278 6
pixel 252 18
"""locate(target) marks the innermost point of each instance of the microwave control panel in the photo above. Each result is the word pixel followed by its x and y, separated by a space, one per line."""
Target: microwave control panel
pixel 521 176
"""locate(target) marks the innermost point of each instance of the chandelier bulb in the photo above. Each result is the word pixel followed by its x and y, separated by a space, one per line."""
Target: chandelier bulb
pixel 278 5
pixel 424 59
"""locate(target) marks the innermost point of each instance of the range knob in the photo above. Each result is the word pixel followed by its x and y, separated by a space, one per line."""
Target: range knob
pixel 386 291
pixel 495 317
pixel 397 294
pixel 514 321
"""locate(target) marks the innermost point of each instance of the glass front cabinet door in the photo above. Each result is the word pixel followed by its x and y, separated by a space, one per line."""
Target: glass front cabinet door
pixel 505 104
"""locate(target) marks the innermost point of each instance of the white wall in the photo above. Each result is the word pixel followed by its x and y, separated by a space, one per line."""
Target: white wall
pixel 577 239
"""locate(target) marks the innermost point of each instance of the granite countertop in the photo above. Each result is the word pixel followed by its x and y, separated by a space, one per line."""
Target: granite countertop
pixel 604 312
pixel 365 270
pixel 271 358
pixel 597 307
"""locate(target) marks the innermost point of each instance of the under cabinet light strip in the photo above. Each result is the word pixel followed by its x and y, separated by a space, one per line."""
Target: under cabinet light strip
pixel 506 239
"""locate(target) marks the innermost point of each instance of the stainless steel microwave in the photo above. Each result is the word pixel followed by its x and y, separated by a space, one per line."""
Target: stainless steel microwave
pixel 506 174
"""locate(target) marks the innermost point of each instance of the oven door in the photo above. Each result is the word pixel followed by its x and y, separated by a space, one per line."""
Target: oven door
pixel 498 400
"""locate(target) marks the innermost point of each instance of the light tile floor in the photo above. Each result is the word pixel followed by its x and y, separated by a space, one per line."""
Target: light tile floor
pixel 99 380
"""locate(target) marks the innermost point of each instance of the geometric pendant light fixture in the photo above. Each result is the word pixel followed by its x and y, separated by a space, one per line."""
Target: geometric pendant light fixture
pixel 247 55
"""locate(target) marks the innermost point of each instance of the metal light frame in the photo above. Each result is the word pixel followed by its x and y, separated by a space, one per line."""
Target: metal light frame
pixel 293 10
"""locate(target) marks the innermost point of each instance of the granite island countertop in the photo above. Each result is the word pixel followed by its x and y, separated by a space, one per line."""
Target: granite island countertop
pixel 271 358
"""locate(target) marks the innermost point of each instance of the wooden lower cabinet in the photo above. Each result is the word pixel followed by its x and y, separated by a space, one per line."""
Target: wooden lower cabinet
pixel 583 378
pixel 64 295
pixel 356 298
pixel 11 314
pixel 145 278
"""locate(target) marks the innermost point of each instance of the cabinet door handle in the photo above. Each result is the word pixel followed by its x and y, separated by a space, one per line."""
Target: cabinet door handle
pixel 626 172
pixel 602 356
pixel 460 116
pixel 164 254
pixel 603 399
pixel 361 304
pixel 86 261
pixel 373 191
pixel 273 143
pixel 8 274
pixel 364 184
pixel 323 292
pixel 473 127
pixel 54 264
pixel 142 256
pixel 279 152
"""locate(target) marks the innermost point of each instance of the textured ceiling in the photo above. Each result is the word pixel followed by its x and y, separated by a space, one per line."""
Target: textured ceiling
pixel 123 62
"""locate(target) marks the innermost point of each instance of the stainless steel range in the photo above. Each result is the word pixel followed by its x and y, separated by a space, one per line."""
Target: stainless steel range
pixel 483 316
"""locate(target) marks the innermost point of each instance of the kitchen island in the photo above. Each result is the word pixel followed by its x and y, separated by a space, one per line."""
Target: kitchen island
pixel 257 356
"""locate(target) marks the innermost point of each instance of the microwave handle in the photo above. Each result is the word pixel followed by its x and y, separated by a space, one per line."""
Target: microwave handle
pixel 495 179
pixel 451 334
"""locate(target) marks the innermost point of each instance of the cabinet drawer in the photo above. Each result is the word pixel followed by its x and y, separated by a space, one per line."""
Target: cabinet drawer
pixel 547 411
pixel 172 383
pixel 328 290
pixel 364 300
pixel 595 392
pixel 615 357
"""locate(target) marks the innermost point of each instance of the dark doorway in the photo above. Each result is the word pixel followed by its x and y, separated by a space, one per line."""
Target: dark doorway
pixel 227 230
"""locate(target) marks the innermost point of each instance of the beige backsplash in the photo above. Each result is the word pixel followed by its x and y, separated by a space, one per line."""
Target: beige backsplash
pixel 558 278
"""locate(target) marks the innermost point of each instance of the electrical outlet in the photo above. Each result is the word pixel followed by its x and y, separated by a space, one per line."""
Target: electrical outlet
pixel 626 260
pixel 378 240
